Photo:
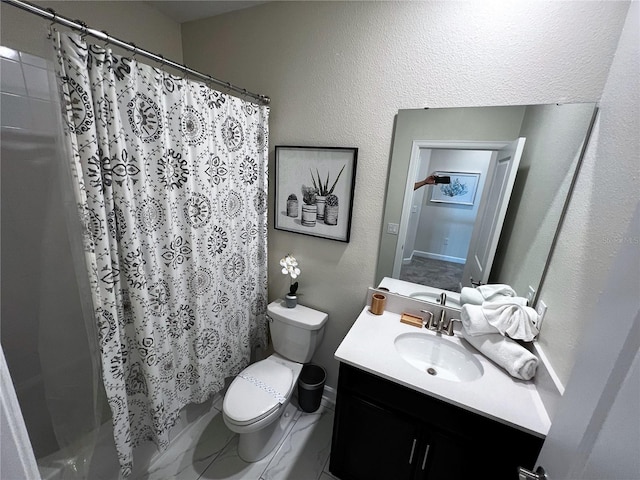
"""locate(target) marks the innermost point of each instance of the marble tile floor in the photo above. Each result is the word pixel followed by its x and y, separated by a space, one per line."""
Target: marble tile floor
pixel 208 450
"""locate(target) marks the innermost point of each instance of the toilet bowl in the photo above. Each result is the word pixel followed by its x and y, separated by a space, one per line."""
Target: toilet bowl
pixel 257 404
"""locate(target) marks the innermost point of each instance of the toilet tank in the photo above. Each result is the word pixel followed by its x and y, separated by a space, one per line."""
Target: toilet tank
pixel 295 332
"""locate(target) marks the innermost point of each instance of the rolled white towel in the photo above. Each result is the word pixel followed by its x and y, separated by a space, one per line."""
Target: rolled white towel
pixel 506 353
pixel 470 295
pixel 510 319
pixel 511 300
pixel 474 321
pixel 513 320
pixel 485 293
pixel 490 291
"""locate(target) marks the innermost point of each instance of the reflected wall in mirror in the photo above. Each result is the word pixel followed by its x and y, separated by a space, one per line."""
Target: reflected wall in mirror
pixel 438 243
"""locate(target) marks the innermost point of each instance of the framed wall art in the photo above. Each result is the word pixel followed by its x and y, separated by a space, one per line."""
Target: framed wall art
pixel 314 190
pixel 461 190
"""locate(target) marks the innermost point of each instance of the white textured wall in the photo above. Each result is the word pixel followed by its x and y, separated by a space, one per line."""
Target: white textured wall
pixel 337 73
pixel 134 22
pixel 605 198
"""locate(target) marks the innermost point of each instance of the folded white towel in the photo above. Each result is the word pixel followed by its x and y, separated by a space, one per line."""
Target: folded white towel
pixel 485 293
pixel 507 353
pixel 510 319
pixel 512 300
pixel 490 291
pixel 474 321
pixel 470 295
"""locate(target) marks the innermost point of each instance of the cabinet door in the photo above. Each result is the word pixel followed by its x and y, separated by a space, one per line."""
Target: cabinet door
pixel 442 457
pixel 373 443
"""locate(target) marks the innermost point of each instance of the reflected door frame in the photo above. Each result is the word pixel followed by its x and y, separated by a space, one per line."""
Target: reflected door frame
pixel 414 165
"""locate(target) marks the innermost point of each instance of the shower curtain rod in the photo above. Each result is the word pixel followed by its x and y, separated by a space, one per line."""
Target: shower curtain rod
pixel 82 27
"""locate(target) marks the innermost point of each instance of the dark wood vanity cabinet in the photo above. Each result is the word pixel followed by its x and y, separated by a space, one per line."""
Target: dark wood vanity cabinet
pixel 383 430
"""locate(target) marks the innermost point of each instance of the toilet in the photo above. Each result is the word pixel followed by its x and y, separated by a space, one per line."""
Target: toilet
pixel 257 403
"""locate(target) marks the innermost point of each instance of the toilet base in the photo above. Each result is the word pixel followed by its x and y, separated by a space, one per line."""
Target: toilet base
pixel 255 446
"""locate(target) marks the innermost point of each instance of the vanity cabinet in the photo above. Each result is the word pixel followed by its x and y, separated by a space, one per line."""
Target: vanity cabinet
pixel 383 430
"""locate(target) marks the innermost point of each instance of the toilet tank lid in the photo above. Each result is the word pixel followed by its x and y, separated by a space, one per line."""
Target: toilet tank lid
pixel 300 316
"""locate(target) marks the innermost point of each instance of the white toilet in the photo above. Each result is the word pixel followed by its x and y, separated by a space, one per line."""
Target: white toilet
pixel 257 403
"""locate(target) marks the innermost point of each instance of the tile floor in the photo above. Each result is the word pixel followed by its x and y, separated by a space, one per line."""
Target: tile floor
pixel 208 450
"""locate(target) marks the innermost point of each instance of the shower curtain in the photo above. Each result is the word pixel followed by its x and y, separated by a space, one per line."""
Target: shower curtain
pixel 170 179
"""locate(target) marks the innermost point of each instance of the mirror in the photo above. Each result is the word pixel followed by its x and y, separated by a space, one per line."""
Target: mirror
pixel 428 240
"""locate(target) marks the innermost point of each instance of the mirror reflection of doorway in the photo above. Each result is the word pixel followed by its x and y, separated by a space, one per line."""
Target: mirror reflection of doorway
pixel 440 225
pixel 450 232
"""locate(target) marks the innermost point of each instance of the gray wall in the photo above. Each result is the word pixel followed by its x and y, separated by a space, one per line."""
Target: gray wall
pixel 134 22
pixel 338 72
pixel 555 135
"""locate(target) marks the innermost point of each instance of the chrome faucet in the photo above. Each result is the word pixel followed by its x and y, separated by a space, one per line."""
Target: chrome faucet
pixel 443 299
pixel 440 324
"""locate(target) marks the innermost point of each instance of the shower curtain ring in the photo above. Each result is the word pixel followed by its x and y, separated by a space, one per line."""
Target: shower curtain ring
pixel 84 31
pixel 135 51
pixel 106 41
pixel 162 63
pixel 184 71
pixel 53 21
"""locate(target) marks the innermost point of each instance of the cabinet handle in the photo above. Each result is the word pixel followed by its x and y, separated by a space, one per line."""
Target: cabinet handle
pixel 413 449
pixel 426 454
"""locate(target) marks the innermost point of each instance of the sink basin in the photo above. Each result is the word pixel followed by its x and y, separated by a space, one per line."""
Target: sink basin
pixel 438 357
pixel 434 298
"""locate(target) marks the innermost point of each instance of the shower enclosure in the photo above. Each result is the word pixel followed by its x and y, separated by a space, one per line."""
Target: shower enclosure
pixel 49 347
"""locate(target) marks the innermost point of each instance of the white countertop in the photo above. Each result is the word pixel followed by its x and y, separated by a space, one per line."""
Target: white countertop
pixel 369 345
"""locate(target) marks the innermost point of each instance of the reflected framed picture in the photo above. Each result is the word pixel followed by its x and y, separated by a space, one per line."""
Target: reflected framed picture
pixel 314 190
pixel 461 190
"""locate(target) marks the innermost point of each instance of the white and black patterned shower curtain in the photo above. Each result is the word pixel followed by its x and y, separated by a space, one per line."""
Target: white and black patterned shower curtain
pixel 171 183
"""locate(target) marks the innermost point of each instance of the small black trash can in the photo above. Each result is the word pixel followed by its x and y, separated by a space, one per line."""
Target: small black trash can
pixel 311 387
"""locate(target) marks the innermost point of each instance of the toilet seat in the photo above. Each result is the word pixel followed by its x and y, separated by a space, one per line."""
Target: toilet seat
pixel 259 390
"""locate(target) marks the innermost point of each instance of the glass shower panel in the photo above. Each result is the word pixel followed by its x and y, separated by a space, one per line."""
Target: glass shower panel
pixel 44 333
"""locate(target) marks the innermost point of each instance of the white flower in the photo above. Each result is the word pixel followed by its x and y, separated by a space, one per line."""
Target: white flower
pixel 290 266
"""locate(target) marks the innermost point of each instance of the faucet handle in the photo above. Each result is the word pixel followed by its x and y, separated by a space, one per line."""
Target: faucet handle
pixel 449 328
pixel 429 324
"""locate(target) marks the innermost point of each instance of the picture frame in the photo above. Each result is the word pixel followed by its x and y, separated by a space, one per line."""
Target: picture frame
pixel 461 191
pixel 314 190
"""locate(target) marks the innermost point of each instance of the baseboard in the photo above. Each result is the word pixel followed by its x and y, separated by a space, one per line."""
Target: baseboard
pixel 437 256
